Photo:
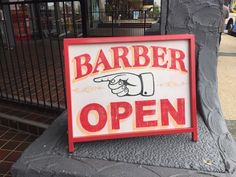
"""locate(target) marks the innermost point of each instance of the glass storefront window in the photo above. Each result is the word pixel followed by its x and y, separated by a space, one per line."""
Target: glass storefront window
pixel 129 16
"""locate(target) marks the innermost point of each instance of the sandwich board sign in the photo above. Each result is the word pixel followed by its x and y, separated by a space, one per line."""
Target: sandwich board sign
pixel 121 87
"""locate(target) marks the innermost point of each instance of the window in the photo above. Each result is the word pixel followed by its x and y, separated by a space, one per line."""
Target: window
pixel 124 17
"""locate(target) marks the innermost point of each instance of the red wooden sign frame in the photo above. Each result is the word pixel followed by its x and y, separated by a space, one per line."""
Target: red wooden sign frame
pixel 80 41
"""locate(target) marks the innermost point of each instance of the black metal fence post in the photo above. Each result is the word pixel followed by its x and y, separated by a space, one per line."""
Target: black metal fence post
pixel 145 17
pixel 112 22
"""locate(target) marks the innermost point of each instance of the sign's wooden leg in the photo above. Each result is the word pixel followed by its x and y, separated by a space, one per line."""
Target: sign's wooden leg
pixel 195 136
pixel 71 147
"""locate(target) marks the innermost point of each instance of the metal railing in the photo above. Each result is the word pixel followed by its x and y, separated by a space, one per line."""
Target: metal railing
pixel 31 50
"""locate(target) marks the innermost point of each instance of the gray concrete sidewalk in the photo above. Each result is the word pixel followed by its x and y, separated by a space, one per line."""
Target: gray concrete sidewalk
pixel 227 76
pixel 232 127
pixel 227 80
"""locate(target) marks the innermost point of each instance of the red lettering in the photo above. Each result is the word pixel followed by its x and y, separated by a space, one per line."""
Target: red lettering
pixel 116 115
pixel 159 54
pixel 177 56
pixel 178 116
pixel 140 113
pixel 120 53
pixel 102 115
pixel 160 57
pixel 80 65
pixel 101 60
pixel 141 51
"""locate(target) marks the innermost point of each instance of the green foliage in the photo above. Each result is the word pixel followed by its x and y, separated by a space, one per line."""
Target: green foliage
pixel 108 9
pixel 156 11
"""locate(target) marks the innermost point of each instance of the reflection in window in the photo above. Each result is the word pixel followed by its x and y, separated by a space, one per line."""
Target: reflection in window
pixel 124 17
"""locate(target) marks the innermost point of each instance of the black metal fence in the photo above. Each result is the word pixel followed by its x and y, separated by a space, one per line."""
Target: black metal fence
pixel 31 50
pixel 31 44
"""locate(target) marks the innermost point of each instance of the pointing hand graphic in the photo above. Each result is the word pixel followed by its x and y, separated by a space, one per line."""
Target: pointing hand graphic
pixel 128 84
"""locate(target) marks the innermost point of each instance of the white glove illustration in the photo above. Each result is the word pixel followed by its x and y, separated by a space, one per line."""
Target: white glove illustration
pixel 129 84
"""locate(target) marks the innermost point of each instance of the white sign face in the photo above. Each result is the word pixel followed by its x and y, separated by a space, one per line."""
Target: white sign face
pixel 137 86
